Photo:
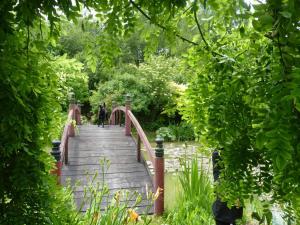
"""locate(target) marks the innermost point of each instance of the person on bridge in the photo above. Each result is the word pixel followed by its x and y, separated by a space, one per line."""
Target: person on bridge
pixel 101 115
pixel 222 214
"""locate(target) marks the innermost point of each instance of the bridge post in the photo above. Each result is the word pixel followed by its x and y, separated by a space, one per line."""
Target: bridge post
pixel 120 118
pixel 57 155
pixel 127 119
pixel 113 116
pixel 78 113
pixel 66 155
pixel 159 167
pixel 72 106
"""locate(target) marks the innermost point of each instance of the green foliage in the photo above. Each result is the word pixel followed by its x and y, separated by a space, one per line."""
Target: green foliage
pixel 149 86
pixel 71 80
pixel 166 133
pixel 29 116
pixel 244 99
pixel 180 132
pixel 183 131
pixel 196 198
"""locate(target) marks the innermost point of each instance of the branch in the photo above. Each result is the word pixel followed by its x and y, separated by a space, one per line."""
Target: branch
pixel 199 28
pixel 201 34
pixel 160 25
pixel 240 53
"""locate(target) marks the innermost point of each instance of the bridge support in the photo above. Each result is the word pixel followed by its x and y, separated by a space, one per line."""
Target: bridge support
pixel 56 153
pixel 127 119
pixel 113 116
pixel 78 113
pixel 72 106
pixel 159 166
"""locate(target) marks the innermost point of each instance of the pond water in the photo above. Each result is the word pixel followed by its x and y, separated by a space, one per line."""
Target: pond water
pixel 177 151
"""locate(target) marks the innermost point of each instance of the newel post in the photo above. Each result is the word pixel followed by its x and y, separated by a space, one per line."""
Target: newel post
pixel 159 167
pixel 113 115
pixel 72 106
pixel 78 113
pixel 127 119
pixel 57 155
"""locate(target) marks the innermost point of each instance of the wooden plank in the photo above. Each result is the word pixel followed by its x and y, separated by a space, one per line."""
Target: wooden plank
pixel 110 175
pixel 95 160
pixel 121 186
pixel 113 180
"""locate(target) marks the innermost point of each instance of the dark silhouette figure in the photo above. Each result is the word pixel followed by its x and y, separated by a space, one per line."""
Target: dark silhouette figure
pixel 222 214
pixel 101 116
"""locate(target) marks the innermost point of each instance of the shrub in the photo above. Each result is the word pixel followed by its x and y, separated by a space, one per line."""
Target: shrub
pixel 166 133
pixel 183 131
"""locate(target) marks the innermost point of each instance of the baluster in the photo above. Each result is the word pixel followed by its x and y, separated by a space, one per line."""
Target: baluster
pixel 113 116
pixel 127 119
pixel 78 113
pixel 138 152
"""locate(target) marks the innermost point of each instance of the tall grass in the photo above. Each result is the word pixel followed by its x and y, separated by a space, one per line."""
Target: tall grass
pixel 196 198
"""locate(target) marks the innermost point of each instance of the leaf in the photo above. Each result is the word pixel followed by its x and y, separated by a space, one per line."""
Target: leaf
pixel 286 14
pixel 266 21
pixel 207 19
pixel 281 162
pixel 260 141
pixel 256 216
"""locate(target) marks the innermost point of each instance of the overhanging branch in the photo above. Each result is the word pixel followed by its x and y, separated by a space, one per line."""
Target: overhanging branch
pixel 160 25
pixel 201 33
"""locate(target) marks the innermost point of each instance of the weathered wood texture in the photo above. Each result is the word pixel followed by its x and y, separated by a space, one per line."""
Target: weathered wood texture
pixel 124 173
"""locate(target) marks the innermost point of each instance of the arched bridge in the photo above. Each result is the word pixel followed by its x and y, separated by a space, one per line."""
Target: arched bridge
pixel 83 146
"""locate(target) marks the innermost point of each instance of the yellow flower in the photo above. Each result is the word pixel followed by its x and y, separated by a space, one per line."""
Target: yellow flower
pixel 157 193
pixel 95 217
pixel 133 216
pixel 117 197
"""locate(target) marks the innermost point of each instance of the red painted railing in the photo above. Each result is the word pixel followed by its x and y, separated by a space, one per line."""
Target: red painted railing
pixel 60 148
pixel 156 157
pixel 74 118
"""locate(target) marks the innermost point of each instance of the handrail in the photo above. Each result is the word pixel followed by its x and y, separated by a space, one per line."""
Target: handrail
pixel 139 129
pixel 142 135
pixel 121 108
pixel 69 131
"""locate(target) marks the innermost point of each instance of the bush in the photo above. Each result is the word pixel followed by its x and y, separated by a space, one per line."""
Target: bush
pixel 181 132
pixel 166 133
pixel 150 86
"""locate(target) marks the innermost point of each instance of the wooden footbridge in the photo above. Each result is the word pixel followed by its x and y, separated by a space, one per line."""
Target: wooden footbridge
pixel 83 146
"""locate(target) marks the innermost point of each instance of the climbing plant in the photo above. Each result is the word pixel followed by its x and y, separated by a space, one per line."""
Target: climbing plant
pixel 244 100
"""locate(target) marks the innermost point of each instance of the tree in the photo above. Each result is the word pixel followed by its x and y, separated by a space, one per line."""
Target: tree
pixel 150 86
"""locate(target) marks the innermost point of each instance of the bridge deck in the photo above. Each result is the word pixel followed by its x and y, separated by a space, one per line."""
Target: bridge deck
pixel 124 173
